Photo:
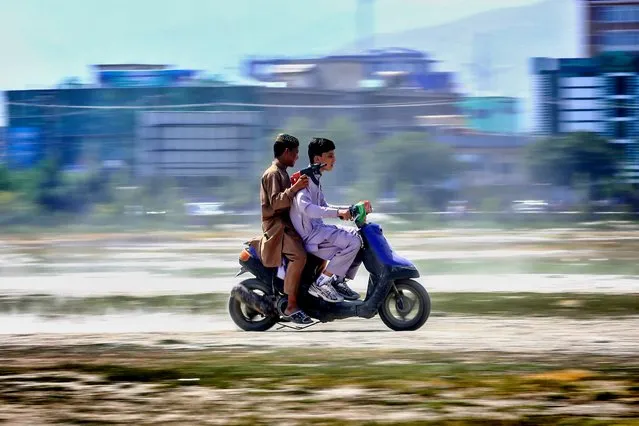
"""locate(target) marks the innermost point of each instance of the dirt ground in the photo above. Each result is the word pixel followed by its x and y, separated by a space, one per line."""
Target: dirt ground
pixel 457 334
pixel 63 396
pixel 41 383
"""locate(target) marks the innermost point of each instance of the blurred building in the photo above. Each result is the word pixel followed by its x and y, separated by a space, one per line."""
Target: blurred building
pixel 109 129
pixel 611 26
pixel 488 158
pixel 143 75
pixel 22 147
pixel 3 145
pixel 394 67
pixel 490 114
pixel 371 110
pixel 377 89
pixel 598 94
pixel 101 120
pixel 129 114
pixel 187 143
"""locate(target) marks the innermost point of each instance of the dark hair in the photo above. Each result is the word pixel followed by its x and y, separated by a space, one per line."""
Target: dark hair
pixel 319 146
pixel 284 141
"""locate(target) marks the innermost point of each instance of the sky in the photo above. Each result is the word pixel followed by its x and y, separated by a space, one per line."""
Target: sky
pixel 44 41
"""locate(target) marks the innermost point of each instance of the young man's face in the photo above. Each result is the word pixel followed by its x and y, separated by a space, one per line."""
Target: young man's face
pixel 327 158
pixel 290 156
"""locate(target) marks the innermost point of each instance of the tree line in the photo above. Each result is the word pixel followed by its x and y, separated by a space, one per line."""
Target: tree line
pixel 416 171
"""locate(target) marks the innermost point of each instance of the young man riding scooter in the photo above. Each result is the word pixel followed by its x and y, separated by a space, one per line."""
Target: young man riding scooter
pixel 279 237
pixel 337 244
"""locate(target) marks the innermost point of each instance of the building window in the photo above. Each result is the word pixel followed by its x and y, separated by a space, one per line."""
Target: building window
pixel 621 85
pixel 481 113
pixel 632 153
pixel 505 168
pixel 621 130
pixel 509 108
pixel 622 40
pixel 621 108
pixel 612 14
pixel 621 112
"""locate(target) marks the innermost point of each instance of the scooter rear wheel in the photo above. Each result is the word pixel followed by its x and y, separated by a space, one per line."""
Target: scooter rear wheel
pixel 246 318
pixel 408 308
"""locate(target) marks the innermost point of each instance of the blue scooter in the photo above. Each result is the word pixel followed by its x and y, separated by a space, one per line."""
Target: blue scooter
pixel 257 304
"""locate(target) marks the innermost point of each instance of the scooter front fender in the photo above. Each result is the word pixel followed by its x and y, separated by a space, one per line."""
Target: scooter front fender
pixel 378 288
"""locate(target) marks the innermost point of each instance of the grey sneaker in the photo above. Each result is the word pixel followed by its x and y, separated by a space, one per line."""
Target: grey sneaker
pixel 326 292
pixel 344 290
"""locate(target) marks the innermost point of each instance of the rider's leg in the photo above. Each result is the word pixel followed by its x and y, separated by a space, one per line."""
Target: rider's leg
pixel 352 270
pixel 340 282
pixel 341 249
pixel 296 256
pixel 344 259
pixel 349 235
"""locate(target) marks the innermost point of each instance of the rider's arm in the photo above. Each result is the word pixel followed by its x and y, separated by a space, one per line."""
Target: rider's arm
pixel 280 197
pixel 323 203
pixel 306 206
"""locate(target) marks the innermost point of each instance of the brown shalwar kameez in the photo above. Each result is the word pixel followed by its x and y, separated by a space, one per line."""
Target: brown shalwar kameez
pixel 279 237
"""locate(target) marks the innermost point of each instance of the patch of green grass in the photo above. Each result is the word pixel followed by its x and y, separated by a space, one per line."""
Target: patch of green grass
pixel 529 265
pixel 121 373
pixel 49 379
pixel 567 305
pixel 86 422
pixel 423 378
pixel 200 272
pixel 9 371
pixel 171 342
pixel 557 397
pixel 571 305
pixel 47 388
pixel 606 396
pixel 440 384
pixel 204 303
pixel 482 421
pixel 53 269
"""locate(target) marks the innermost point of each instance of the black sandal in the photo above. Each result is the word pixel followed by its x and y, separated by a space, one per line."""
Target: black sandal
pixel 299 317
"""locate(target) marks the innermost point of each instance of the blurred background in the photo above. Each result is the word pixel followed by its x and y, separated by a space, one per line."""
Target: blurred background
pixel 498 141
pixel 436 106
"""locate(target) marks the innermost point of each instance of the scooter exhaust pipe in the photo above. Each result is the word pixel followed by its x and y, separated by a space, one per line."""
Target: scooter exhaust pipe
pixel 259 303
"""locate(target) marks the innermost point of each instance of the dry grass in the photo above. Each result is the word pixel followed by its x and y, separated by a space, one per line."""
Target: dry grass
pixel 109 385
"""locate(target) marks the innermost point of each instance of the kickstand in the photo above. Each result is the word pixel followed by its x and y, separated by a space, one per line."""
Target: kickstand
pixel 296 327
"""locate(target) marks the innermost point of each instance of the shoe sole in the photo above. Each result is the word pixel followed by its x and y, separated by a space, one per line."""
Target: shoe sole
pixel 312 292
pixel 352 299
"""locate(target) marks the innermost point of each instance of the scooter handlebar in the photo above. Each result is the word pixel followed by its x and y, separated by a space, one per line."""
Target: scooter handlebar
pixel 358 214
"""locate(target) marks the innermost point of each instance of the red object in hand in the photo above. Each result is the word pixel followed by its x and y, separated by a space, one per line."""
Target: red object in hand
pixel 295 177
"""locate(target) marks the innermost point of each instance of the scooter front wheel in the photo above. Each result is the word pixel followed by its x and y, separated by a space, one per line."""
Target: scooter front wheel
pixel 406 309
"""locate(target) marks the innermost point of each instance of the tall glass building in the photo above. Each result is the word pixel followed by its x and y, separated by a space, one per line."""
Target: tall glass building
pixel 611 26
pixel 598 94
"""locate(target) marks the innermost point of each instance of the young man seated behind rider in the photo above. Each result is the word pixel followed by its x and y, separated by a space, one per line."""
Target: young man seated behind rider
pixel 339 245
pixel 279 238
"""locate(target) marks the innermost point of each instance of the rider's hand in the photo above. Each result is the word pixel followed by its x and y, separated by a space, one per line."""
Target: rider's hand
pixel 368 206
pixel 344 214
pixel 301 183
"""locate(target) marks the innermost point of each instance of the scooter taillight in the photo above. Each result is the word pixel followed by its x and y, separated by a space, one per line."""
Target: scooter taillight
pixel 245 255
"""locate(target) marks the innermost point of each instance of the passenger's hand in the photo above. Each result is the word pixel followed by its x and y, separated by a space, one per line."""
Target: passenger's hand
pixel 301 183
pixel 344 214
